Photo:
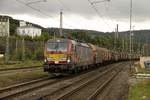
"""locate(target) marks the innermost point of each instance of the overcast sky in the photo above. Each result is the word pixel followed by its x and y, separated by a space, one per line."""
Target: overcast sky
pixel 80 14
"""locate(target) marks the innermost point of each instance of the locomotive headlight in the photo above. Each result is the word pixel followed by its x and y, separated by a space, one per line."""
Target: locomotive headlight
pixel 68 60
pixel 45 60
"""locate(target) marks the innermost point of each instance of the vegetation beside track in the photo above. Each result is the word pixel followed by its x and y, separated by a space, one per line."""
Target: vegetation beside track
pixel 21 77
pixel 20 64
pixel 139 87
pixel 144 71
pixel 140 90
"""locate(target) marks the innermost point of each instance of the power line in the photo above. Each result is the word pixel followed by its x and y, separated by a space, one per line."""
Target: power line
pixel 96 10
pixel 64 5
pixel 32 2
pixel 67 8
pixel 41 12
pixel 109 18
pixel 38 10
pixel 113 21
pixel 94 2
pixel 97 2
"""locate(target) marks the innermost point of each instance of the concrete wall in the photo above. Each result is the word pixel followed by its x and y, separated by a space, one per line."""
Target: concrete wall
pixel 142 60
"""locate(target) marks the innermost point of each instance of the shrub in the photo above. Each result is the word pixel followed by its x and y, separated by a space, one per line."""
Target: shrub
pixel 38 54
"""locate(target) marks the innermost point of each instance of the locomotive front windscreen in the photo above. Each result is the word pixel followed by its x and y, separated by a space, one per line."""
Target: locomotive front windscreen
pixel 57 46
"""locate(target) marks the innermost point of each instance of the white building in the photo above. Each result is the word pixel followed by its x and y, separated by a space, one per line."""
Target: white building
pixel 28 30
pixel 4 26
pixel 23 23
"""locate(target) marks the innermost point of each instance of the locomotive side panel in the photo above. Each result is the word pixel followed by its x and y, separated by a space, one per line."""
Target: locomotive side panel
pixel 85 55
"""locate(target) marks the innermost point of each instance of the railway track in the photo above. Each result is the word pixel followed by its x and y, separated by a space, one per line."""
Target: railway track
pixel 16 90
pixel 75 82
pixel 102 87
pixel 20 68
pixel 20 89
pixel 81 92
pixel 12 71
pixel 74 86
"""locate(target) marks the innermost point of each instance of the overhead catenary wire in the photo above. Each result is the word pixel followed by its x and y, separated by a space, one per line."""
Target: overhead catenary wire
pixel 94 8
pixel 114 21
pixel 41 12
pixel 99 14
pixel 32 2
pixel 63 5
pixel 92 3
pixel 48 15
pixel 108 17
pixel 38 10
pixel 99 1
pixel 67 8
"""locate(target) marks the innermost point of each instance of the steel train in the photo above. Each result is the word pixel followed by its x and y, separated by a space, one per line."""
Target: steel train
pixel 67 56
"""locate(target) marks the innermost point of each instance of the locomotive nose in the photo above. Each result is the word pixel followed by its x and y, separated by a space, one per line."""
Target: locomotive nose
pixel 57 59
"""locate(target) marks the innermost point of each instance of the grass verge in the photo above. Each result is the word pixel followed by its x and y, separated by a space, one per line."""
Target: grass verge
pixel 27 63
pixel 140 90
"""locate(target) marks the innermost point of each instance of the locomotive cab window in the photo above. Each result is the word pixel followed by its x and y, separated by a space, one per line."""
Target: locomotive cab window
pixel 57 46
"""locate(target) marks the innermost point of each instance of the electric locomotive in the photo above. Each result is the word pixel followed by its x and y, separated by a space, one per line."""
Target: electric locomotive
pixel 67 56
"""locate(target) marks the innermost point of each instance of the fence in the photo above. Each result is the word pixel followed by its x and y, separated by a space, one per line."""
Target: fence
pixel 20 49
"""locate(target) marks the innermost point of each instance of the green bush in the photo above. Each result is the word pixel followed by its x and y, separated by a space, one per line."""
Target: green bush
pixel 16 55
pixel 38 54
pixel 28 54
